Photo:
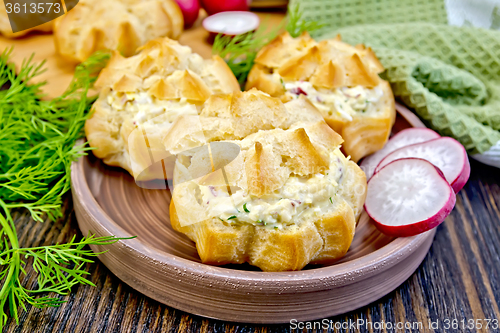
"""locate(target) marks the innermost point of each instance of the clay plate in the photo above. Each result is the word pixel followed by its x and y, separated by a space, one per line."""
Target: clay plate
pixel 164 265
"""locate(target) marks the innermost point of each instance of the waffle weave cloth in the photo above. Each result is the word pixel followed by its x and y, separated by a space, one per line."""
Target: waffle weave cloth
pixel 449 75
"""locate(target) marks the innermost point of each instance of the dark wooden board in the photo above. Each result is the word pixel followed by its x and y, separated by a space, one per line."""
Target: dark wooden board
pixel 459 279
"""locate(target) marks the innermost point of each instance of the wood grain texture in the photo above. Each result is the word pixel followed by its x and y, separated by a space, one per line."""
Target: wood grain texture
pixel 59 72
pixel 164 265
pixel 459 279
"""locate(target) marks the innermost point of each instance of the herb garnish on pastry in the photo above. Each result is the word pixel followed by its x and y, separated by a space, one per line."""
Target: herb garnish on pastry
pixel 340 80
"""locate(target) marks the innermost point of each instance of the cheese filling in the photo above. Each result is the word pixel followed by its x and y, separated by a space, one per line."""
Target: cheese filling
pixel 300 198
pixel 344 101
pixel 148 110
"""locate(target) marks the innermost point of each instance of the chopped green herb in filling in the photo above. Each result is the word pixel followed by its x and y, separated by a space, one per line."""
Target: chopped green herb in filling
pixel 300 198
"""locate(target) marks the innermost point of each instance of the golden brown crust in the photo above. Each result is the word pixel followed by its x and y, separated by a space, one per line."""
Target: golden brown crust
pixel 235 116
pixel 319 240
pixel 216 242
pixel 274 55
pixel 333 229
pixel 301 68
pixel 86 28
pixel 165 72
pixel 260 166
pixel 295 141
pixel 365 135
pixel 329 64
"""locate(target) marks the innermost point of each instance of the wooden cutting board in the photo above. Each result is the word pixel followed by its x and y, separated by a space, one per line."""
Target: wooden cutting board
pixel 59 72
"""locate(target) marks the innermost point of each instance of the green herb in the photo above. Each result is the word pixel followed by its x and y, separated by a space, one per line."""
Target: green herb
pixel 245 208
pixel 37 146
pixel 231 217
pixel 240 51
pixel 221 219
pixel 296 24
pixel 276 228
pixel 331 200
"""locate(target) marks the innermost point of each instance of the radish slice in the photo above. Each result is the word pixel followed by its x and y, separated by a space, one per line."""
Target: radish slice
pixel 408 197
pixel 190 10
pixel 445 153
pixel 404 138
pixel 231 23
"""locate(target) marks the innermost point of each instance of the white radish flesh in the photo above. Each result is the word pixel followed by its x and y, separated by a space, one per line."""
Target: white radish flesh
pixel 402 139
pixel 231 23
pixel 445 153
pixel 408 197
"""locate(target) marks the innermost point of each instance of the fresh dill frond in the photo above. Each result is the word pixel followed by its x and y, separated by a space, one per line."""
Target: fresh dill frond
pixel 240 51
pixel 296 24
pixel 37 147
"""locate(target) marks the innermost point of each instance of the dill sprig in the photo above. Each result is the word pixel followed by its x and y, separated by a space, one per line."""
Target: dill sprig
pixel 37 147
pixel 296 24
pixel 240 51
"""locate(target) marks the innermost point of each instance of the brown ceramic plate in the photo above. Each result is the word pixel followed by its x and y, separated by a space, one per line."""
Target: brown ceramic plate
pixel 164 264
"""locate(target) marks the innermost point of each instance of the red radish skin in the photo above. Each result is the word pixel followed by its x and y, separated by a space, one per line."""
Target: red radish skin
pixel 217 6
pixel 402 139
pixel 432 181
pixel 460 182
pixel 190 11
pixel 445 153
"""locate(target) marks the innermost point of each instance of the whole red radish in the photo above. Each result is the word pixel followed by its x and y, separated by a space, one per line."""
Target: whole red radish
pixel 217 6
pixel 190 11
pixel 408 196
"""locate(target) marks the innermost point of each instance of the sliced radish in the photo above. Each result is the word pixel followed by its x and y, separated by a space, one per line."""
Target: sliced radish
pixel 231 23
pixel 445 153
pixel 190 10
pixel 217 6
pixel 408 197
pixel 404 138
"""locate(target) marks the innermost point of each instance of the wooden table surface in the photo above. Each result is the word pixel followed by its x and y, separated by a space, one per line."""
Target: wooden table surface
pixel 458 282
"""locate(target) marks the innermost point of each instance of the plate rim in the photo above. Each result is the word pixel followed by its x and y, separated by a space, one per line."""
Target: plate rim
pixel 204 291
pixel 389 251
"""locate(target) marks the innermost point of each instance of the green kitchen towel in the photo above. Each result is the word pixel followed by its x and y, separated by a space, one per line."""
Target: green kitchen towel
pixel 449 75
